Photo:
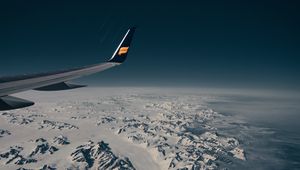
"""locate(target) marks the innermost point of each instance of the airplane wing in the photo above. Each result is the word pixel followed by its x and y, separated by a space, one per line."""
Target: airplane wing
pixel 57 80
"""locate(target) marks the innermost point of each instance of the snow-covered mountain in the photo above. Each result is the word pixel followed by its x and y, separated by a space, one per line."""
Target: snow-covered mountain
pixel 115 128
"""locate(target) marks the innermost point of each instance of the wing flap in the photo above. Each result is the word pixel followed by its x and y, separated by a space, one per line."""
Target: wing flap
pixel 10 103
pixel 60 86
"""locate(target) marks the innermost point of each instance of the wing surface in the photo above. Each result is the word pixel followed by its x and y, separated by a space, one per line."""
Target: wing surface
pixel 57 80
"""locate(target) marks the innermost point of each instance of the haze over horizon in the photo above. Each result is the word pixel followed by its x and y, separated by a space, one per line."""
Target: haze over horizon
pixel 253 44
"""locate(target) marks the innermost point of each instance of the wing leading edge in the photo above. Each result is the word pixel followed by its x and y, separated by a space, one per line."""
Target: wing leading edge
pixel 56 80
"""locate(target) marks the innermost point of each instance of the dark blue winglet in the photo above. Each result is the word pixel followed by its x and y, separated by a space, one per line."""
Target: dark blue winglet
pixel 121 52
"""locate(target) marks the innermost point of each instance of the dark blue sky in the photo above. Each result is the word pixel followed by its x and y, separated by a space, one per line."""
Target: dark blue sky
pixel 200 43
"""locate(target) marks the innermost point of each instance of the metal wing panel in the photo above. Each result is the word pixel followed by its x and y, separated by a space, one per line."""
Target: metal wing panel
pixel 51 78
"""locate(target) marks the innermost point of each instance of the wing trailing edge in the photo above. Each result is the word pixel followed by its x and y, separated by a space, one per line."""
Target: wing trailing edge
pixel 60 86
pixel 10 103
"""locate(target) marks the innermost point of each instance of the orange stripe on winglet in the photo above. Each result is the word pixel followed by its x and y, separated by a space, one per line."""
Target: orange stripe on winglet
pixel 123 50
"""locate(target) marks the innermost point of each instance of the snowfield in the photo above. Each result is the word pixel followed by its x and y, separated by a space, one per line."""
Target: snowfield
pixel 115 128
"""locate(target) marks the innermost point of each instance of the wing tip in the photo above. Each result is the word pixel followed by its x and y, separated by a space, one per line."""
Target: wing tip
pixel 121 52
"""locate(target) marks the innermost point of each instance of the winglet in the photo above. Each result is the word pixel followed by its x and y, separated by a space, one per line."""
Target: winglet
pixel 121 52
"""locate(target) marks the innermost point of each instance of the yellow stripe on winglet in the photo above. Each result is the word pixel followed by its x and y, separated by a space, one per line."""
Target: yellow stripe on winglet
pixel 123 50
